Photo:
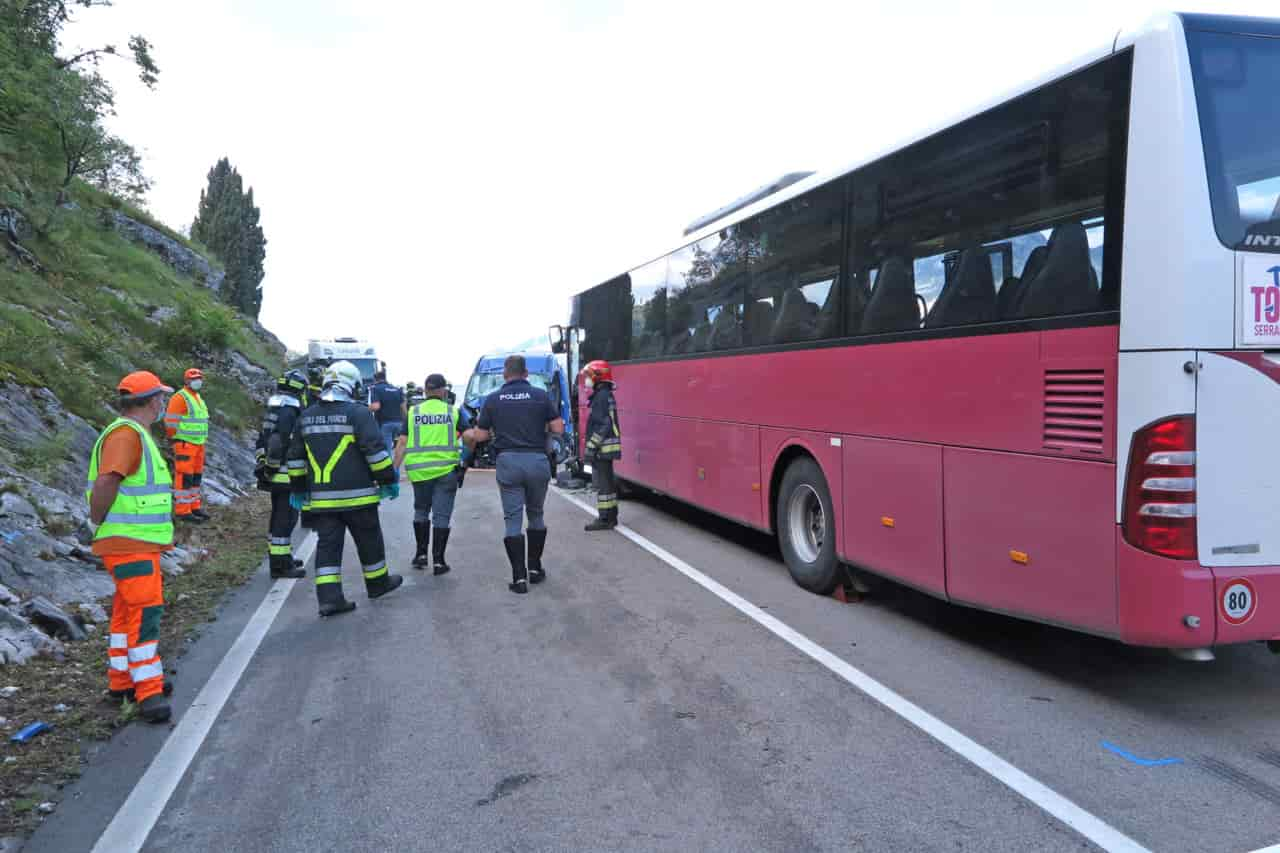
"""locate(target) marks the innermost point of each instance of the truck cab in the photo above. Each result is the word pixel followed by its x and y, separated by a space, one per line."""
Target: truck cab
pixel 545 372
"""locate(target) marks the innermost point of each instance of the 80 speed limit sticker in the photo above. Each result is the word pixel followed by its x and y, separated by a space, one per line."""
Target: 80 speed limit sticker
pixel 1239 600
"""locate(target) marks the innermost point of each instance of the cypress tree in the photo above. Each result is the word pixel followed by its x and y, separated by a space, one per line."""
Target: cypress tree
pixel 227 221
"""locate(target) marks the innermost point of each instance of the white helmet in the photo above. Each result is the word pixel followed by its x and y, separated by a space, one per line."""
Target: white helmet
pixel 342 374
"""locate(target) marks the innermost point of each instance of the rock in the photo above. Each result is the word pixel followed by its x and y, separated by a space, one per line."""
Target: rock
pixel 61 708
pixel 162 314
pixel 11 844
pixel 8 692
pixel 171 565
pixel 242 364
pixel 64 579
pixel 14 504
pixel 52 619
pixel 20 641
pixel 172 252
pixel 46 808
pixel 7 596
pixel 92 612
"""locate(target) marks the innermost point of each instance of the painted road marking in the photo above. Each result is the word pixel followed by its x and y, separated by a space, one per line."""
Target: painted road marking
pixel 129 829
pixel 1090 826
pixel 1274 848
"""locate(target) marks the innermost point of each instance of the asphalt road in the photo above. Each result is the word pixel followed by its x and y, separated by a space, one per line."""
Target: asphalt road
pixel 620 706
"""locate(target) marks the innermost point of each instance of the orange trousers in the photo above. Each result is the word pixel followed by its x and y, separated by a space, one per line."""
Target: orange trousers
pixel 188 468
pixel 134 651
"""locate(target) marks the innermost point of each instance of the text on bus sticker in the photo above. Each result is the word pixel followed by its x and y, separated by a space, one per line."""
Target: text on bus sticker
pixel 1263 240
pixel 1266 307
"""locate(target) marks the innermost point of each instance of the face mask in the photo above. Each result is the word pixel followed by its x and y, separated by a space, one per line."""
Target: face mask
pixel 590 383
pixel 197 384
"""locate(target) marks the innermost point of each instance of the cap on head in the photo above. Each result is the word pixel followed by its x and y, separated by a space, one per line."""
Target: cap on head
pixel 435 382
pixel 192 373
pixel 140 385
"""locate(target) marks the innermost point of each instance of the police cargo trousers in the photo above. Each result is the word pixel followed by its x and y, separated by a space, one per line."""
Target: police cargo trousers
pixel 134 651
pixel 280 531
pixel 606 486
pixel 331 531
pixel 188 468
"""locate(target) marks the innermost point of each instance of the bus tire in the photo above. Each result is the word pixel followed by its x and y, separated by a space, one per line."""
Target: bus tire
pixel 807 527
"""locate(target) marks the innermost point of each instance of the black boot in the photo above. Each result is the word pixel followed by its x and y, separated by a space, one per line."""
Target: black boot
pixel 283 566
pixel 422 532
pixel 607 521
pixel 537 541
pixel 155 709
pixel 519 573
pixel 439 566
pixel 382 585
pixel 332 601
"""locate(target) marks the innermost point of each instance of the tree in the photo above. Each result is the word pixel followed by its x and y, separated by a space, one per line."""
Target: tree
pixel 78 103
pixel 227 221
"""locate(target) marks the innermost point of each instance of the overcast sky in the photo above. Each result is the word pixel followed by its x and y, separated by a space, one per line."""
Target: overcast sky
pixel 440 178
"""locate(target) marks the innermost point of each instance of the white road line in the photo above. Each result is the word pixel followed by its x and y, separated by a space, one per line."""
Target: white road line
pixel 129 829
pixel 1091 827
pixel 1274 848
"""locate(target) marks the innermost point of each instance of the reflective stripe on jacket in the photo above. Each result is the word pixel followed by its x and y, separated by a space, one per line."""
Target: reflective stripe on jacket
pixel 192 427
pixel 431 440
pixel 337 455
pixel 143 506
pixel 604 434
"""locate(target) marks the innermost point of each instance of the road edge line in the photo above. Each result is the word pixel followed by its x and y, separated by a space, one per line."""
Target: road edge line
pixel 133 822
pixel 1064 810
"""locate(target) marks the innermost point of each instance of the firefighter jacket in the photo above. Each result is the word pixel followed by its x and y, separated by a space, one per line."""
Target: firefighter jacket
pixel 604 435
pixel 337 455
pixel 432 447
pixel 273 440
pixel 187 418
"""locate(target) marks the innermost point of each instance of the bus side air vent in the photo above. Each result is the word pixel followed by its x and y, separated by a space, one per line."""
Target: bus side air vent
pixel 1073 410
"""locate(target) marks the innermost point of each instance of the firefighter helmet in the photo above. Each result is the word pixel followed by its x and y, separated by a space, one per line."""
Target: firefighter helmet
pixel 294 383
pixel 596 372
pixel 344 375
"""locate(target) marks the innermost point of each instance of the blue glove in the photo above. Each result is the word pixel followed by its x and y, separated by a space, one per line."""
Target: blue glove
pixel 389 493
pixel 298 500
pixel 395 472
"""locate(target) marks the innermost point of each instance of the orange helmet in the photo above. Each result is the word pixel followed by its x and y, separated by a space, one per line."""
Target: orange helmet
pixel 192 373
pixel 598 371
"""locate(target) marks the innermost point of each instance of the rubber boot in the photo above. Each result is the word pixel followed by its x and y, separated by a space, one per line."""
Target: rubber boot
pixel 155 709
pixel 537 542
pixel 607 521
pixel 282 566
pixel 439 566
pixel 380 586
pixel 297 564
pixel 422 533
pixel 129 694
pixel 519 572
pixel 332 601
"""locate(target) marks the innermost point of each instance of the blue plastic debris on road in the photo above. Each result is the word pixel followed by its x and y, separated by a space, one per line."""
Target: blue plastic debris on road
pixel 26 733
pixel 12 536
pixel 1141 762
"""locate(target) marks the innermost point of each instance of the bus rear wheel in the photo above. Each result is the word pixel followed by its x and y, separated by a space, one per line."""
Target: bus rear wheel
pixel 807 527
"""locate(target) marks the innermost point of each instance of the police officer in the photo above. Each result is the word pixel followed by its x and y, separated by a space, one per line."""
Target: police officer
pixel 428 453
pixel 386 401
pixel 339 465
pixel 283 409
pixel 604 442
pixel 518 417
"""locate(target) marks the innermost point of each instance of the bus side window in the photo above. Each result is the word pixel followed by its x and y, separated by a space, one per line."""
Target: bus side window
pixel 648 309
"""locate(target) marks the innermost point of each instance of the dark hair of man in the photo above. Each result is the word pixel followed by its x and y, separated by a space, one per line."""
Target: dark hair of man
pixel 514 367
pixel 130 403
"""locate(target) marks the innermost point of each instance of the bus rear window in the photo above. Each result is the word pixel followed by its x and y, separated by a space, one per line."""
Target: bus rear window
pixel 1236 81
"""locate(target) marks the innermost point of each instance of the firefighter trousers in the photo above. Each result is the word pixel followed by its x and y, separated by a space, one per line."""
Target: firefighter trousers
pixel 134 651
pixel 606 486
pixel 188 469
pixel 280 530
pixel 331 532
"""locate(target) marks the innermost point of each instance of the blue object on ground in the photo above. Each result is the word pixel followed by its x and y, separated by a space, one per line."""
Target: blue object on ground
pixel 1141 762
pixel 26 733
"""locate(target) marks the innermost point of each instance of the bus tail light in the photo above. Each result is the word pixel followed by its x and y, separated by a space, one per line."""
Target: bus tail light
pixel 1160 490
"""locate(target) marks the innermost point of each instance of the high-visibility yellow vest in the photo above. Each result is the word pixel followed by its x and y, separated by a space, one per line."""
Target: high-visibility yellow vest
pixel 431 440
pixel 143 507
pixel 193 427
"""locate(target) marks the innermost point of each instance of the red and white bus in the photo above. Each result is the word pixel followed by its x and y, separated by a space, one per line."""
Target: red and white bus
pixel 1027 362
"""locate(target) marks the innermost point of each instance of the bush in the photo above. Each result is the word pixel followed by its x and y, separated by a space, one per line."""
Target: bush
pixel 200 329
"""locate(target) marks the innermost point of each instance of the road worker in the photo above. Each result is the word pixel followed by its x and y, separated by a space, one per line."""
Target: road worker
pixel 340 468
pixel 187 425
pixel 130 500
pixel 283 409
pixel 517 418
pixel 428 450
pixel 604 442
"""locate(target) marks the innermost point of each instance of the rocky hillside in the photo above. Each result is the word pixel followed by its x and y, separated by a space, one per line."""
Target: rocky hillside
pixel 88 292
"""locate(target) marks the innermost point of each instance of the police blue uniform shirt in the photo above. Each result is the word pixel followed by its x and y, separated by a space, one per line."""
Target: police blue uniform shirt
pixel 518 414
pixel 391 399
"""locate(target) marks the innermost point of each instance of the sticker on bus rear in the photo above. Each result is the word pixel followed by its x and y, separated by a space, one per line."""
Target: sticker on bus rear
pixel 1239 600
pixel 1261 302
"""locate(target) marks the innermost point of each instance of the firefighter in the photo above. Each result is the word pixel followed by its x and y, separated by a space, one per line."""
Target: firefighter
pixel 283 409
pixel 187 425
pixel 339 466
pixel 604 442
pixel 428 449
pixel 518 417
pixel 315 383
pixel 130 499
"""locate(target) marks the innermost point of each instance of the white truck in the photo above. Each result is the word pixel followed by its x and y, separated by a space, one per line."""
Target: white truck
pixel 362 354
